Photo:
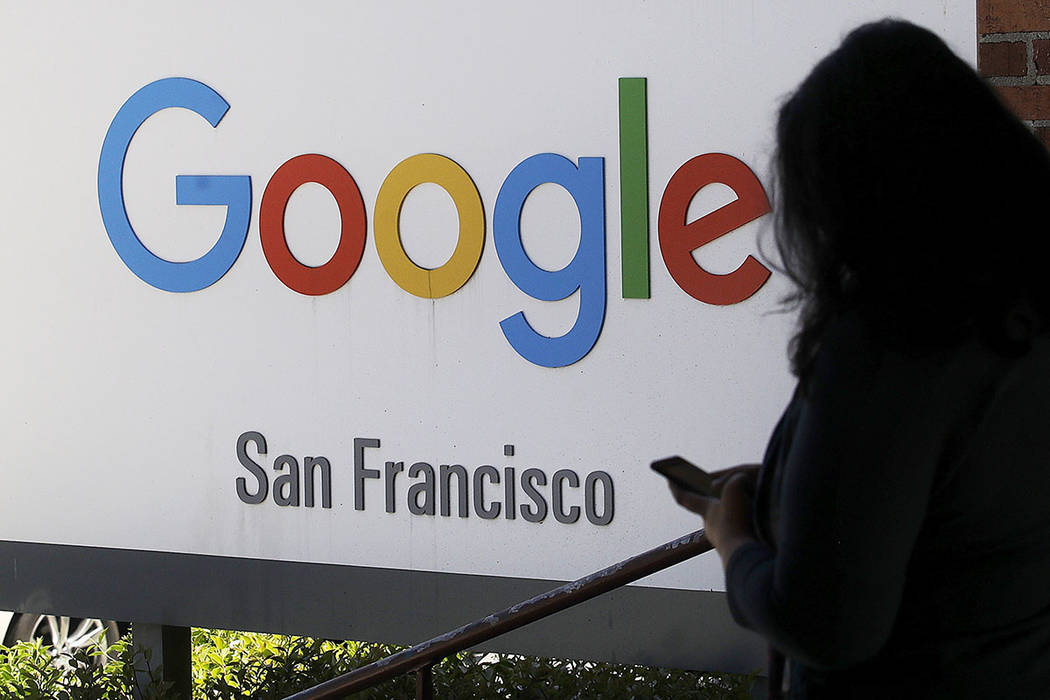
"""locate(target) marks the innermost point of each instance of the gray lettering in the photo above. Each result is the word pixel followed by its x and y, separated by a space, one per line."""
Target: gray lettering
pixel 510 495
pixel 426 489
pixel 291 480
pixel 556 496
pixel 447 470
pixel 325 466
pixel 537 514
pixel 607 492
pixel 392 469
pixel 248 463
pixel 360 473
pixel 490 512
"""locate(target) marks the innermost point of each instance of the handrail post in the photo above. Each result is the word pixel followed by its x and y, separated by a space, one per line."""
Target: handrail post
pixel 169 659
pixel 427 653
pixel 425 683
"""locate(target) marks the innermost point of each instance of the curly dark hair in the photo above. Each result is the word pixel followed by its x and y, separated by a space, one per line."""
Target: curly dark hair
pixel 908 193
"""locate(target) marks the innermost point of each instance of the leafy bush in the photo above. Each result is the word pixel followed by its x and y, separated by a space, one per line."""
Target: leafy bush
pixel 31 671
pixel 244 665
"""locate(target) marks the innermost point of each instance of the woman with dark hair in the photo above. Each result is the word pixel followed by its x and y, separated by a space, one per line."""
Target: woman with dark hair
pixel 898 541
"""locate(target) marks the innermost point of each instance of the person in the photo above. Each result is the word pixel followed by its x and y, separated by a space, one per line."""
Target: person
pixel 897 542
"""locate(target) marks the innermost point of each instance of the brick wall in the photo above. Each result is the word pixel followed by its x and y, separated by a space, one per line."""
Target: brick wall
pixel 1013 51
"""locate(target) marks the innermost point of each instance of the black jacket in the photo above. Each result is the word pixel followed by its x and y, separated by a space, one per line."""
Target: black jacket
pixel 905 503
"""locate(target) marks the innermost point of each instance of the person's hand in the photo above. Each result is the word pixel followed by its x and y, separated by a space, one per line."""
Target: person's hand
pixel 722 475
pixel 727 520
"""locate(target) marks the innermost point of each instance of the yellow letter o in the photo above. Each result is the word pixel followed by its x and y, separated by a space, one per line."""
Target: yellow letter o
pixel 447 174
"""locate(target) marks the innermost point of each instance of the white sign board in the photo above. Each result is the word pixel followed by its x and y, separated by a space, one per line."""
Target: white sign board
pixel 372 316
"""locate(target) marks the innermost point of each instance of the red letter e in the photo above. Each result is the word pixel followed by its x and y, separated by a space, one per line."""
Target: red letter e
pixel 678 239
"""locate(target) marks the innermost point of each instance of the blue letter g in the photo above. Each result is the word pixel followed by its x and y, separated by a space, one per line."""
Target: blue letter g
pixel 233 191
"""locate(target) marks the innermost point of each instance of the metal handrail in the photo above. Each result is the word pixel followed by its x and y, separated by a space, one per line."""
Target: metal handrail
pixel 422 656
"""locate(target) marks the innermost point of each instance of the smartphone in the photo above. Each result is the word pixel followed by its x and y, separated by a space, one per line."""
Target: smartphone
pixel 686 475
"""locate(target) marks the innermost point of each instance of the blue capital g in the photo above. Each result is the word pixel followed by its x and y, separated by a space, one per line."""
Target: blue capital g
pixel 232 191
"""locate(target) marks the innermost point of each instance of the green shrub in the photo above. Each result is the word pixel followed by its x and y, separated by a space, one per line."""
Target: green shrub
pixel 30 671
pixel 245 665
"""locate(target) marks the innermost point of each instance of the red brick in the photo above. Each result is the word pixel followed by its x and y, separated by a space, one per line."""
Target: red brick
pixel 1003 58
pixel 1041 51
pixel 1000 16
pixel 1043 132
pixel 1028 101
pixel 982 17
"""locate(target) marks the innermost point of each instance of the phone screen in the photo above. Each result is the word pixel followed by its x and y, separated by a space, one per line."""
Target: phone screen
pixel 686 475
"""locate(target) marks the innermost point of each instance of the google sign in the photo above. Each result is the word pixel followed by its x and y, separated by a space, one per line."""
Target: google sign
pixel 584 181
pixel 436 284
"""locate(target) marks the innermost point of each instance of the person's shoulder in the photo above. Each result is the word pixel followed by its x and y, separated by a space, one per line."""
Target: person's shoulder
pixel 856 355
pixel 854 337
pixel 850 348
pixel 1031 367
pixel 850 333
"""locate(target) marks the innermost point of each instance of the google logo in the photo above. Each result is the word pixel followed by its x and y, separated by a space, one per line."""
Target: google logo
pixel 583 180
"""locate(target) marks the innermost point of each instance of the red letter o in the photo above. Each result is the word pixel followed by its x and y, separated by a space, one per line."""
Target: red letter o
pixel 329 277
